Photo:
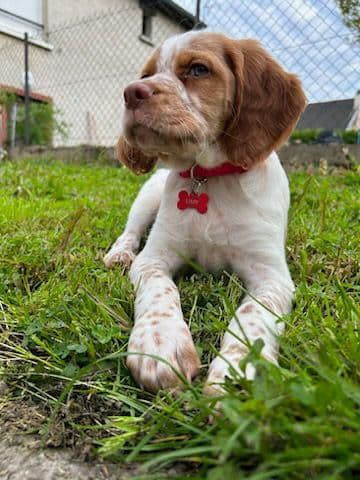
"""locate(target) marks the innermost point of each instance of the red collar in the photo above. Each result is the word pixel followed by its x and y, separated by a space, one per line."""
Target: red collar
pixel 223 169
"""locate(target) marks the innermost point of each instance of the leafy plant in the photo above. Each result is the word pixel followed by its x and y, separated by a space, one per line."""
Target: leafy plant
pixel 311 135
pixel 7 98
pixel 44 122
pixel 350 136
pixel 307 135
pixel 350 11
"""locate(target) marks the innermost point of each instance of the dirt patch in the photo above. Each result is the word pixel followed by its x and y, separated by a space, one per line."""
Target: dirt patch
pixel 24 457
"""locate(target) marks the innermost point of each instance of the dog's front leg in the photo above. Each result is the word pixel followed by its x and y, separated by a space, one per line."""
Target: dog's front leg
pixel 141 215
pixel 271 291
pixel 160 329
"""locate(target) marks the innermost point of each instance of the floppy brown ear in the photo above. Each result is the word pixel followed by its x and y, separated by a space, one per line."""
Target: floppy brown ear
pixel 133 158
pixel 268 103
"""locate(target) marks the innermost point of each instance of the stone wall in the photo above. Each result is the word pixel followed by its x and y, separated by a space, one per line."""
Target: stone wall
pixel 302 156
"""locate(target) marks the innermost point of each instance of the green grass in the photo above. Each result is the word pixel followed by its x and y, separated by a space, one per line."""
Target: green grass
pixel 65 324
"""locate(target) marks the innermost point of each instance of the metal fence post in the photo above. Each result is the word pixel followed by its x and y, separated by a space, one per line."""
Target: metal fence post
pixel 197 14
pixel 27 91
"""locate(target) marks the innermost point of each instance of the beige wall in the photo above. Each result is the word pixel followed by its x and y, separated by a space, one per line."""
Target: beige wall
pixel 95 52
pixel 60 11
pixel 12 61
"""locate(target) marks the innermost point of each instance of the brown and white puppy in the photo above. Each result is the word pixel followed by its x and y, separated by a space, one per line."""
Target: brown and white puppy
pixel 207 101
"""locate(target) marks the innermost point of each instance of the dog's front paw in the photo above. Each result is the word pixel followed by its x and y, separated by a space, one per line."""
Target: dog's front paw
pixel 122 252
pixel 170 342
pixel 121 257
pixel 227 365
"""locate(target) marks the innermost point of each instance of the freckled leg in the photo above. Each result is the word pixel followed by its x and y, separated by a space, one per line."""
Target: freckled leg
pixel 273 289
pixel 141 215
pixel 159 325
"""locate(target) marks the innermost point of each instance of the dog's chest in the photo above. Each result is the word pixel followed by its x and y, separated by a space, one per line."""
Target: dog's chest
pixel 211 238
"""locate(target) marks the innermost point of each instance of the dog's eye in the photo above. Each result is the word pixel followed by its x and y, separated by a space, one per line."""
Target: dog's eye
pixel 198 70
pixel 146 75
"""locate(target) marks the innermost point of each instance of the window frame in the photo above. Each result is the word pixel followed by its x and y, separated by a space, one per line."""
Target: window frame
pixel 147 24
pixel 18 25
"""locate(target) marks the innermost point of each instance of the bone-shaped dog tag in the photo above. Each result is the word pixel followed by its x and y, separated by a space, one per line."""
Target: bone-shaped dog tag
pixel 192 200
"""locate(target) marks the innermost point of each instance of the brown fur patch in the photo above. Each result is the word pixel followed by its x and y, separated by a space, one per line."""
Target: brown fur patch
pixel 268 102
pixel 134 158
pixel 152 273
pixel 188 360
pixel 157 338
pixel 260 331
pixel 247 308
pixel 151 365
pixel 158 315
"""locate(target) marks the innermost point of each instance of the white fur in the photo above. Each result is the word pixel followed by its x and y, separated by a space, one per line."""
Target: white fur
pixel 171 46
pixel 243 230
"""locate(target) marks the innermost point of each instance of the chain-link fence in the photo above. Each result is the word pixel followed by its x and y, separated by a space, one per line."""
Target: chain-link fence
pixel 79 67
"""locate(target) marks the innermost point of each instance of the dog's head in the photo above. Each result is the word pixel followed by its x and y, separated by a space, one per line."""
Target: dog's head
pixel 204 97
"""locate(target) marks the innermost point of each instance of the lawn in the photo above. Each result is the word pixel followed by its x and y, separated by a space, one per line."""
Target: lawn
pixel 65 320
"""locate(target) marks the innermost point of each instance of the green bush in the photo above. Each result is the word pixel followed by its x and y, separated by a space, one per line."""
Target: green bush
pixel 310 135
pixel 350 136
pixel 7 98
pixel 307 135
pixel 43 123
pixel 44 120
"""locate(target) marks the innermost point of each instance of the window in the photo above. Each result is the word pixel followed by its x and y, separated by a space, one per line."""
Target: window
pixel 148 11
pixel 147 24
pixel 22 16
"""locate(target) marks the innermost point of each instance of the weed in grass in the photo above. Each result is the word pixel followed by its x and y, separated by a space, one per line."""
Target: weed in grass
pixel 65 323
